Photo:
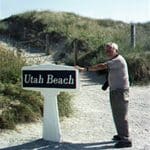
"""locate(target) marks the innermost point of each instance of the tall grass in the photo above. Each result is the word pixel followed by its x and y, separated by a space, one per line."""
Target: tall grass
pixel 139 68
pixel 10 66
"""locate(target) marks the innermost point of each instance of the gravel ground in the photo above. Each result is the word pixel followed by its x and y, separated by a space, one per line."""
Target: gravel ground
pixel 91 126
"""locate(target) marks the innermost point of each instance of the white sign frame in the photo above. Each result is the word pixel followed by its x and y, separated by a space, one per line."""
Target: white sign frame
pixel 51 125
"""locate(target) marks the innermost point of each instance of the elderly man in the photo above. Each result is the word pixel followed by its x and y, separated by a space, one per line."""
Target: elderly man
pixel 118 81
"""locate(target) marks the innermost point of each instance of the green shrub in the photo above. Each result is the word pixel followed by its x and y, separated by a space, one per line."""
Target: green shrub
pixel 64 104
pixel 11 89
pixel 3 27
pixel 2 87
pixel 28 107
pixel 7 119
pixel 139 68
pixel 25 113
pixel 10 66
pixel 19 106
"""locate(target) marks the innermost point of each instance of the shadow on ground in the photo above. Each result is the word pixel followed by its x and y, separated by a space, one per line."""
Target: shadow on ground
pixel 41 144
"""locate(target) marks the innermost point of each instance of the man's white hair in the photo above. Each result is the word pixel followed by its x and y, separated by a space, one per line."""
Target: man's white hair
pixel 113 45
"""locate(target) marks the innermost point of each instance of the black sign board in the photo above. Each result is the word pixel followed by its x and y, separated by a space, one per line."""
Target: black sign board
pixel 65 79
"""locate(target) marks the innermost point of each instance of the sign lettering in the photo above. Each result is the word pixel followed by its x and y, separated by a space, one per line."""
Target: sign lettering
pixel 49 78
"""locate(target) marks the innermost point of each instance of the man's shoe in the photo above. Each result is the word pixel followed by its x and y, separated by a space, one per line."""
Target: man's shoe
pixel 116 138
pixel 122 144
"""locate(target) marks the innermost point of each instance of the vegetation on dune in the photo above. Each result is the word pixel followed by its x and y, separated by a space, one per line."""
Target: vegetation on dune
pixel 64 28
pixel 68 31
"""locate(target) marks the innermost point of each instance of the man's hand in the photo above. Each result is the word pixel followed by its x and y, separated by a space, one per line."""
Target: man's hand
pixel 81 69
pixel 97 67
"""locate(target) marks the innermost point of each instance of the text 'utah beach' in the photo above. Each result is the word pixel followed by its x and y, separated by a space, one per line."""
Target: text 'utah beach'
pixel 49 79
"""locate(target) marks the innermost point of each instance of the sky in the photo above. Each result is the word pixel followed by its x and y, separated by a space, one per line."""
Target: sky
pixel 130 11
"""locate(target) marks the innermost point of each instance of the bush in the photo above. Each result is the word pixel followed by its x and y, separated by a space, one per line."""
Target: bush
pixel 25 113
pixel 19 106
pixel 7 120
pixel 139 68
pixel 2 87
pixel 10 66
pixel 64 104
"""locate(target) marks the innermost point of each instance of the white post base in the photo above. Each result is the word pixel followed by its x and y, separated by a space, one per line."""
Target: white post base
pixel 51 126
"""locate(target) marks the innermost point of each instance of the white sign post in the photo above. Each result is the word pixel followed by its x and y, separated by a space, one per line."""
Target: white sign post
pixel 50 79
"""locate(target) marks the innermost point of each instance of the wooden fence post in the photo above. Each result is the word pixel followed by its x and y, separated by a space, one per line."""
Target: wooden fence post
pixel 75 52
pixel 47 45
pixel 133 35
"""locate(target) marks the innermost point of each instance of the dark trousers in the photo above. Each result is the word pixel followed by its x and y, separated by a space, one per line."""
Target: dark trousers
pixel 119 100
